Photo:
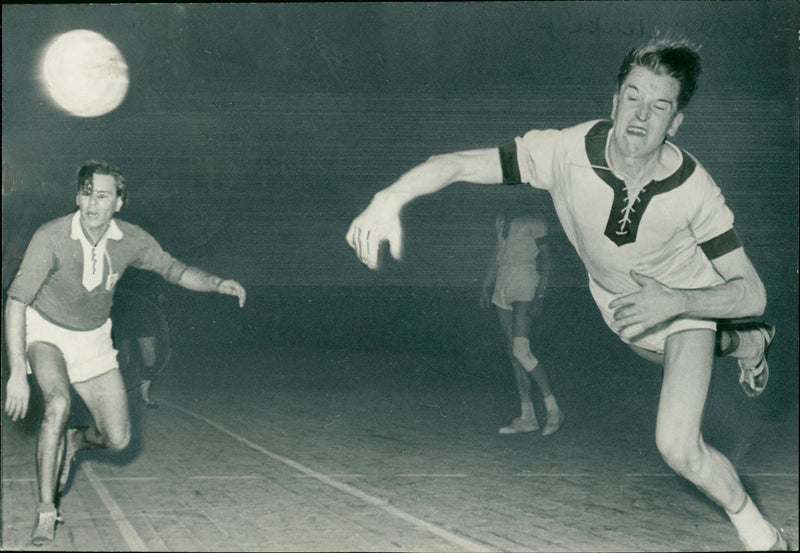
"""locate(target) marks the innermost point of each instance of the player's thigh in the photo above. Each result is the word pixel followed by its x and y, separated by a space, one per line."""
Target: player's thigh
pixel 147 349
pixel 688 362
pixel 506 322
pixel 123 346
pixel 50 371
pixel 105 397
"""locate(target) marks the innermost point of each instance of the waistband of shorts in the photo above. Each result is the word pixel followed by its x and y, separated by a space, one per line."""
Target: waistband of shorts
pixel 31 309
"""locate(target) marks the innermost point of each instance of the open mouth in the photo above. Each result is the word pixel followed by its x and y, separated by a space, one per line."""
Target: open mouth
pixel 635 130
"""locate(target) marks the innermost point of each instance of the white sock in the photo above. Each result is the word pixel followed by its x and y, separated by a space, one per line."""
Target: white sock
pixel 550 404
pixel 527 411
pixel 522 352
pixel 755 532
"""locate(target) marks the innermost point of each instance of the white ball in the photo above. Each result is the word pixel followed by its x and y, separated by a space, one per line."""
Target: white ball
pixel 84 73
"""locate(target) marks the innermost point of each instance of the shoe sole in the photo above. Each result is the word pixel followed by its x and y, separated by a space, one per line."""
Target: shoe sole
pixel 770 336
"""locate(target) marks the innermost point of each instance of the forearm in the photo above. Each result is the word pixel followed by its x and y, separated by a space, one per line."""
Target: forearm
pixel 736 298
pixel 15 336
pixel 198 280
pixel 439 171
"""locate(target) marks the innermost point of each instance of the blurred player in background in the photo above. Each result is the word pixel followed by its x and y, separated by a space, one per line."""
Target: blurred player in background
pixel 657 239
pixel 519 272
pixel 57 326
pixel 141 336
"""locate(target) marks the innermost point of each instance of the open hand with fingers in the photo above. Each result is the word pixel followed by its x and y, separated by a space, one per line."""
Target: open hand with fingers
pixel 17 395
pixel 652 304
pixel 378 223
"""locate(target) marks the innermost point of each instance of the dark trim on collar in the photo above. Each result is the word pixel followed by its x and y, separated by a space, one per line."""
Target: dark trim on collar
pixel 619 229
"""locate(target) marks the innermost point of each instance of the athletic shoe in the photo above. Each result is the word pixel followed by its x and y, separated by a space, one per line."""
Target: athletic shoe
pixel 519 425
pixel 553 423
pixel 44 527
pixel 780 543
pixel 754 372
pixel 69 457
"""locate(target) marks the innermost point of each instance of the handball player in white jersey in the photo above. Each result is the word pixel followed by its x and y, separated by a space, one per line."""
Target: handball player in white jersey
pixel 652 228
pixel 518 275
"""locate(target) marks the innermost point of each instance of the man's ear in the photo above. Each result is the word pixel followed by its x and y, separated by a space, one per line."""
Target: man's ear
pixel 676 123
pixel 614 107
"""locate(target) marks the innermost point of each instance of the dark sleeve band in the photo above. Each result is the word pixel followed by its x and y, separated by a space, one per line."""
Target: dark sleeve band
pixel 722 244
pixel 509 163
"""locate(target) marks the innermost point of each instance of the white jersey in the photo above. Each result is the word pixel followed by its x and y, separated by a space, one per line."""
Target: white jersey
pixel 669 232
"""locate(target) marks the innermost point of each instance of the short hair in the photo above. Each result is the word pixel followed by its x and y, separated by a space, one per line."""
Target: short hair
pixel 91 168
pixel 665 56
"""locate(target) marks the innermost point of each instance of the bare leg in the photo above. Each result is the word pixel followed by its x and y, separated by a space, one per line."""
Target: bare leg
pixel 688 362
pixel 50 372
pixel 105 397
pixel 520 375
pixel 147 351
pixel 526 422
pixel 49 369
pixel 521 329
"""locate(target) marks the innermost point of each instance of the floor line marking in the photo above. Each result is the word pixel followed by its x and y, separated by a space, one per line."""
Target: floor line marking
pixel 254 477
pixel 129 479
pixel 746 474
pixel 557 474
pixel 129 534
pixel 333 476
pixel 458 541
pixel 432 475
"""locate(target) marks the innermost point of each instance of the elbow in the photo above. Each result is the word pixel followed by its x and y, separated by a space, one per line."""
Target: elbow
pixel 760 299
pixel 755 299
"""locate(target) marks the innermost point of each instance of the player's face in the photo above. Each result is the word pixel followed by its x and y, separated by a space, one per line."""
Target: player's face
pixel 99 203
pixel 645 112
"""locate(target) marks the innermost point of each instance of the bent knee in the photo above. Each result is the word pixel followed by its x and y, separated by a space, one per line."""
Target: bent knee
pixel 57 407
pixel 683 456
pixel 118 439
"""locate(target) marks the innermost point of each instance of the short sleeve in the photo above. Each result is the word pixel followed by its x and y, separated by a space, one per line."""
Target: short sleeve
pixel 151 257
pixel 712 218
pixel 37 264
pixel 536 155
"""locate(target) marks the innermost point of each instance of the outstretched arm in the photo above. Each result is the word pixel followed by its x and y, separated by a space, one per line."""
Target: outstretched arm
pixel 380 221
pixel 198 280
pixel 741 295
pixel 17 388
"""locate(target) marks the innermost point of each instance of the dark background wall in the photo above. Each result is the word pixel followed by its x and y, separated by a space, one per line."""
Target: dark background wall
pixel 253 134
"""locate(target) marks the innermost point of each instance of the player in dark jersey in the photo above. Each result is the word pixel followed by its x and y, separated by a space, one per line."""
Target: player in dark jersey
pixel 57 326
pixel 140 331
pixel 657 240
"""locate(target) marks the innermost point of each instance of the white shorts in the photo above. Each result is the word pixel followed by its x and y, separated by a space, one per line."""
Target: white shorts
pixel 654 339
pixel 86 353
pixel 515 283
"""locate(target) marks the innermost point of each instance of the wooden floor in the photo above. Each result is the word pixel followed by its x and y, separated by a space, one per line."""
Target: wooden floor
pixel 333 450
